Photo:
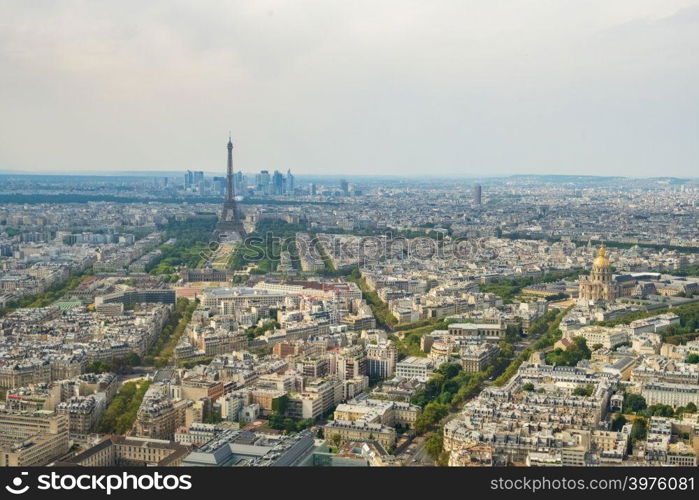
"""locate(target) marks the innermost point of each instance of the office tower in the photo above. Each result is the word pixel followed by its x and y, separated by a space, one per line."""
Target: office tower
pixel 477 193
pixel 230 217
pixel 290 182
pixel 220 184
pixel 344 185
pixel 313 189
pixel 263 181
pixel 277 183
pixel 239 182
pixel 188 179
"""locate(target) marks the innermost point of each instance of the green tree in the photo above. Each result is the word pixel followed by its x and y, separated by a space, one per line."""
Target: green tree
pixel 570 356
pixel 431 415
pixel 513 333
pixel 583 391
pixel 638 431
pixel 634 402
pixel 618 422
pixel 121 412
pixel 658 410
pixel 434 444
pixel 449 370
pixel 132 359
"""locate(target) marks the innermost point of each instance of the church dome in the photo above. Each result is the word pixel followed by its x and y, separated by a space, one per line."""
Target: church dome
pixel 601 260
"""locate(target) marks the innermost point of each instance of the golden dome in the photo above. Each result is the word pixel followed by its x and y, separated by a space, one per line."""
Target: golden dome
pixel 601 260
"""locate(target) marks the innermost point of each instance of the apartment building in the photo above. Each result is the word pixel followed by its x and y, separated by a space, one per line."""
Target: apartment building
pixel 381 358
pixel 415 367
pixel 32 438
pixel 476 358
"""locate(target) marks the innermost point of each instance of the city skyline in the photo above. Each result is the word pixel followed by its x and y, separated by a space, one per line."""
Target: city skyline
pixel 378 320
pixel 454 90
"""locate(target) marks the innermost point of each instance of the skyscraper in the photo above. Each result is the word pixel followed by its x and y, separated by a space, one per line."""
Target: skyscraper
pixel 220 184
pixel 263 181
pixel 188 179
pixel 277 183
pixel 477 192
pixel 239 182
pixel 290 182
pixel 230 221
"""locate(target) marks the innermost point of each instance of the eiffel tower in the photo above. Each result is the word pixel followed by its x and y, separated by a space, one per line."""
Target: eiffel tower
pixel 230 222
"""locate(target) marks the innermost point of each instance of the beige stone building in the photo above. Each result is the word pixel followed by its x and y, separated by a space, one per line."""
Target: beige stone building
pixel 130 451
pixel 32 438
pixel 360 430
pixel 599 285
pixel 159 416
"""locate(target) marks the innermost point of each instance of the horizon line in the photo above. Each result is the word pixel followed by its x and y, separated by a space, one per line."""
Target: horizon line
pixel 172 173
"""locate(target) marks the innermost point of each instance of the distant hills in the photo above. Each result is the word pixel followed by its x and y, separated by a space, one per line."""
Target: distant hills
pixel 335 178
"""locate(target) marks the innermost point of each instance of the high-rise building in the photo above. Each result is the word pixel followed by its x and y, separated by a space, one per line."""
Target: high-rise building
pixel 188 179
pixel 351 363
pixel 277 183
pixel 220 184
pixel 344 186
pixel 382 359
pixel 262 181
pixel 239 182
pixel 290 182
pixel 192 179
pixel 477 194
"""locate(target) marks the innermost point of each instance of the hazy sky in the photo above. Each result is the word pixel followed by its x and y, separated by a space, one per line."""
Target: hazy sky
pixel 379 86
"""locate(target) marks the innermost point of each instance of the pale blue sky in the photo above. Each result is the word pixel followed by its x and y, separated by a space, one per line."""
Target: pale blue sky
pixel 362 86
